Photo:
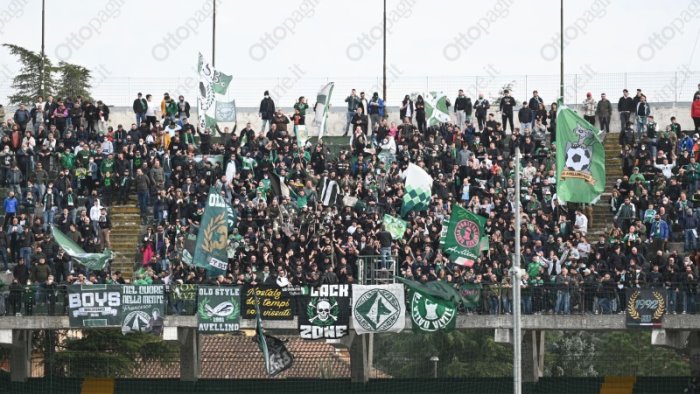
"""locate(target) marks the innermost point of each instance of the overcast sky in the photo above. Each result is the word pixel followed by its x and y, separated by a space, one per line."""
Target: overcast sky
pixel 152 45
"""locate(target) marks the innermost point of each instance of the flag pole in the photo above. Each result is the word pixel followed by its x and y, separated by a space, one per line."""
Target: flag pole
pixel 515 272
pixel 561 50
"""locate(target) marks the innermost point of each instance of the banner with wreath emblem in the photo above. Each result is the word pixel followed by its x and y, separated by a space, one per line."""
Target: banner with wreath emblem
pixel 218 309
pixel 212 239
pixel 645 308
pixel 324 312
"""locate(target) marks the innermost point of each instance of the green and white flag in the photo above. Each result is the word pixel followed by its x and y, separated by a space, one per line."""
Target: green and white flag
pixel 433 305
pixel 323 99
pixel 436 107
pixel 212 239
pixel 380 308
pixel 418 192
pixel 580 158
pixel 302 135
pixel 396 226
pixel 275 354
pixel 464 236
pixel 91 261
pixel 211 104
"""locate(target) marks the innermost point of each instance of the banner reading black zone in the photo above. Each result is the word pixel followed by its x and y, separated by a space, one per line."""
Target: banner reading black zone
pixel 325 312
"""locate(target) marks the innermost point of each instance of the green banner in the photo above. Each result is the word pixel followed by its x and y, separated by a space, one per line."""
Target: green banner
pixel 471 295
pixel 91 261
pixel 396 226
pixel 464 234
pixel 580 158
pixel 212 239
pixel 218 309
pixel 433 306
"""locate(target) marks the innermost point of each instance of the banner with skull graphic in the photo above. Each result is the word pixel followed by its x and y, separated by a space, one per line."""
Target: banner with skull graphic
pixel 325 312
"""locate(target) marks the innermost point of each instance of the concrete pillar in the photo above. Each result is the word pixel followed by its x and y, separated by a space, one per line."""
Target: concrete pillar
pixel 20 355
pixel 533 355
pixel 189 353
pixel 669 338
pixel 359 359
pixel 503 335
pixel 694 347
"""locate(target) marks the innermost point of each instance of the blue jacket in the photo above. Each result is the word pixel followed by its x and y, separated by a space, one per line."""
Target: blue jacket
pixel 662 228
pixel 10 205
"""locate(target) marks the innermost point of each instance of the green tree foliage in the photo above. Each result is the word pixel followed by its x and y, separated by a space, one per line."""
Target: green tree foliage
pixel 108 353
pixel 462 354
pixel 31 82
pixel 74 80
pixel 631 353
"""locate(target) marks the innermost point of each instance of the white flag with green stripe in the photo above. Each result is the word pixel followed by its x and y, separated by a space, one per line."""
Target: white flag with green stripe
pixel 211 104
pixel 418 189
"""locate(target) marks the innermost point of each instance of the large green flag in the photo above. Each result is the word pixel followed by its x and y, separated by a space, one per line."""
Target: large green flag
pixel 396 226
pixel 212 238
pixel 433 305
pixel 465 235
pixel 418 192
pixel 580 158
pixel 91 261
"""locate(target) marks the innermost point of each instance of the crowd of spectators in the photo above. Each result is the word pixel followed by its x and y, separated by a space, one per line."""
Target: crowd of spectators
pixel 64 164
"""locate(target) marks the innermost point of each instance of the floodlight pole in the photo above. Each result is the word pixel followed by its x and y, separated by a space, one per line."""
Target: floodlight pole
pixel 213 34
pixel 515 272
pixel 384 59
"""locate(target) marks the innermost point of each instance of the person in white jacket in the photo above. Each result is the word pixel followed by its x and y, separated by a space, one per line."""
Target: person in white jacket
pixel 666 168
pixel 389 145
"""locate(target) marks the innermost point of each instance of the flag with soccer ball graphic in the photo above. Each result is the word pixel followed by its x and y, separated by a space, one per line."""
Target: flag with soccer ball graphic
pixel 580 158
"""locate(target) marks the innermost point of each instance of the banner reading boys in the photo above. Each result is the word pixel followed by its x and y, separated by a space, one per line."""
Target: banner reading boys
pixel 94 306
pixel 218 309
pixel 325 312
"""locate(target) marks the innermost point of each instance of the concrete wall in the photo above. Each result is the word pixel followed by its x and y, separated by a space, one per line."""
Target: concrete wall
pixel 336 121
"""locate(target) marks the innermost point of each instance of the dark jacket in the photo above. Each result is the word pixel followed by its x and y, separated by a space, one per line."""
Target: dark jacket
pixel 625 104
pixel 267 108
pixel 140 106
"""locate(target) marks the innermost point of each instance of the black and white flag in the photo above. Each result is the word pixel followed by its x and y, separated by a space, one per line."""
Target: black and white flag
pixel 329 192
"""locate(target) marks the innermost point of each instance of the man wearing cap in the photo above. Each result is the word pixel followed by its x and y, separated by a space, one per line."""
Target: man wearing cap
pixel 140 106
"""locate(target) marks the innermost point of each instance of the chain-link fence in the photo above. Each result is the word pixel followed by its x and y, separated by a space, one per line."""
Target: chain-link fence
pixel 677 86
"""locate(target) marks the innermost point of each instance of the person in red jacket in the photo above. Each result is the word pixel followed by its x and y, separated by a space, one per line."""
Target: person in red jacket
pixel 695 112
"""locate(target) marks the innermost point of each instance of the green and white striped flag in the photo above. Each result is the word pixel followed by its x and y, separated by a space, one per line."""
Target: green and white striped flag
pixel 396 226
pixel 419 187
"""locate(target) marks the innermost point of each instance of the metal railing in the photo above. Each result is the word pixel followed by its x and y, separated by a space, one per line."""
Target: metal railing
pixel 479 299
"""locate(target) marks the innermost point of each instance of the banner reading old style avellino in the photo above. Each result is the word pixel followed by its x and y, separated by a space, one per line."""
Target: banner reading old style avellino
pixel 218 309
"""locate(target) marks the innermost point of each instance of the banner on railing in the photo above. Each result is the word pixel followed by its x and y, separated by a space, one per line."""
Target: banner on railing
pixel 133 308
pixel 380 308
pixel 275 302
pixel 645 308
pixel 324 312
pixel 218 309
pixel 471 295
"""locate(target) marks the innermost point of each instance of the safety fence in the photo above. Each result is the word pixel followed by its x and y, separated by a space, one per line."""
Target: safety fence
pixel 477 298
pixel 673 87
